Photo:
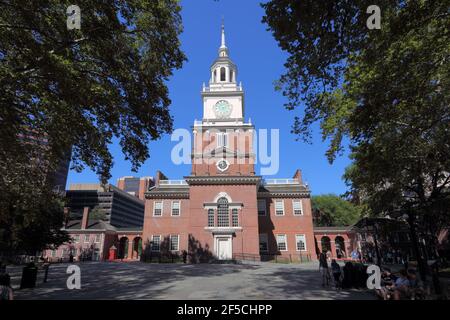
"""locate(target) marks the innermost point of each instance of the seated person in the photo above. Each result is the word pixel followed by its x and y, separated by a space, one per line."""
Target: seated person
pixel 401 286
pixel 386 283
pixel 416 288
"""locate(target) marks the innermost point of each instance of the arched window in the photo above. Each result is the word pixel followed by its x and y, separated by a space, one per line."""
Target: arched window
pixel 222 74
pixel 223 218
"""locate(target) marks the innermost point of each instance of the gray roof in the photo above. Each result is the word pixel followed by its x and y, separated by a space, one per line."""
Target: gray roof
pixel 92 225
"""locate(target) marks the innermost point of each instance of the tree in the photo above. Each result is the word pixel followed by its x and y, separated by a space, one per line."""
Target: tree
pixel 83 87
pixel 330 210
pixel 97 214
pixel 386 90
pixel 76 89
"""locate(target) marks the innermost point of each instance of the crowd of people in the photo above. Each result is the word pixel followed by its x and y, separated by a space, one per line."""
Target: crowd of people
pixel 393 286
pixel 404 285
pixel 351 275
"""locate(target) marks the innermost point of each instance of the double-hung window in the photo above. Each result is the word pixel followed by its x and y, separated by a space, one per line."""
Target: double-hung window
pixel 175 208
pixel 281 242
pixel 261 207
pixel 300 241
pixel 263 242
pixel 297 207
pixel 158 208
pixel 279 207
pixel 174 242
pixel 156 243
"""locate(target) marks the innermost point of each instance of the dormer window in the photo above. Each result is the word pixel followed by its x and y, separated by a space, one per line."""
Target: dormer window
pixel 222 74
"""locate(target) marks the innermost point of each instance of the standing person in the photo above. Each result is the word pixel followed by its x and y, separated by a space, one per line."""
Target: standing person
pixel 336 269
pixel 6 292
pixel 323 268
pixel 389 256
pixel 328 253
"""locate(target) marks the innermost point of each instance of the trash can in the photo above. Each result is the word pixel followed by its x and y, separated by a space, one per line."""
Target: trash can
pixel 29 275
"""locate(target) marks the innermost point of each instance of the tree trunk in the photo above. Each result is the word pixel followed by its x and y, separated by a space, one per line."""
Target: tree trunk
pixel 415 245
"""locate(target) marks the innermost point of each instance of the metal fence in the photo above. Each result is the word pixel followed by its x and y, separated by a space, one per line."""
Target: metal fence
pixel 277 258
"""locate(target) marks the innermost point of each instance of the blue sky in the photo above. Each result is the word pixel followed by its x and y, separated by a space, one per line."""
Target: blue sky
pixel 260 63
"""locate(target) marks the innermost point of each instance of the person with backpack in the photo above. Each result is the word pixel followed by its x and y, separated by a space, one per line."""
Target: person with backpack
pixel 336 270
pixel 6 292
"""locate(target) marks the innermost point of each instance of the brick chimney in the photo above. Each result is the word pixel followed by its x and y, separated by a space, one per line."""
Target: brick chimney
pixel 159 176
pixel 85 220
pixel 298 176
pixel 66 215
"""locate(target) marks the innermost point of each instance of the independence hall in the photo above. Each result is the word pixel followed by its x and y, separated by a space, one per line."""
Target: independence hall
pixel 223 209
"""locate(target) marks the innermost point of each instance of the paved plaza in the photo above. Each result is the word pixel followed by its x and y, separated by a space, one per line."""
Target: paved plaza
pixel 115 280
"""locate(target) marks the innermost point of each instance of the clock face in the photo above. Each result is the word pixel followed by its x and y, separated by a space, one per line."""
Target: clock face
pixel 222 165
pixel 222 109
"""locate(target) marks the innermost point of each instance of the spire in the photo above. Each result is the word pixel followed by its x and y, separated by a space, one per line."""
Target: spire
pixel 223 35
pixel 223 50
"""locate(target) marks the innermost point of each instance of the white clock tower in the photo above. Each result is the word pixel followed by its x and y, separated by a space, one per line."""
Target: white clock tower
pixel 223 100
pixel 223 137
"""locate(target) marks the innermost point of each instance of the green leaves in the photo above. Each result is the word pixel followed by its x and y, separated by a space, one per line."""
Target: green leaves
pixel 386 90
pixel 332 211
pixel 105 79
pixel 81 88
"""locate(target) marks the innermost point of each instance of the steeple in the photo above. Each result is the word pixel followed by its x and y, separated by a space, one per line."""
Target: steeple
pixel 223 50
pixel 223 70
pixel 223 35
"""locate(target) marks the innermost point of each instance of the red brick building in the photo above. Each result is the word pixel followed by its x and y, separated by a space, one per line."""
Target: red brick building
pixel 339 241
pixel 93 240
pixel 223 209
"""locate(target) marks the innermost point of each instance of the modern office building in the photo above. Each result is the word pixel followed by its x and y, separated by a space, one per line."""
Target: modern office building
pixel 136 186
pixel 115 206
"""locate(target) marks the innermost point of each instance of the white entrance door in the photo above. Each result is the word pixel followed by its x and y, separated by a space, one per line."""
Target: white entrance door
pixel 224 250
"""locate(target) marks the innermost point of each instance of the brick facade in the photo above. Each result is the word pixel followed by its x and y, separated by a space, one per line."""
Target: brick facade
pixel 216 206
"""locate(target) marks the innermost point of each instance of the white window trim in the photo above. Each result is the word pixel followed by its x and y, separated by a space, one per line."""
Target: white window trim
pixel 285 240
pixel 266 237
pixel 88 238
pixel 178 242
pixel 151 244
pixel 179 209
pixel 154 208
pixel 304 241
pixel 301 207
pixel 265 207
pixel 282 206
